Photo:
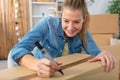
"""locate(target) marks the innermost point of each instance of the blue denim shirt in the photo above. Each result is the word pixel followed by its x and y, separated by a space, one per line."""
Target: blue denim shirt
pixel 50 35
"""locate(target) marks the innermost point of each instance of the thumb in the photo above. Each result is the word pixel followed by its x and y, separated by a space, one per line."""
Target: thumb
pixel 59 63
pixel 93 59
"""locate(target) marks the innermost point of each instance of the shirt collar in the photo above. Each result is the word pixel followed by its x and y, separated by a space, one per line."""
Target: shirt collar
pixel 60 31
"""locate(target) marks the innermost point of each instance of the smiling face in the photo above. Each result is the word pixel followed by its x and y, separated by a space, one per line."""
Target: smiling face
pixel 72 21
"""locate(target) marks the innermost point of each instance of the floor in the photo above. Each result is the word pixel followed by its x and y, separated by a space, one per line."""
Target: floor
pixel 3 64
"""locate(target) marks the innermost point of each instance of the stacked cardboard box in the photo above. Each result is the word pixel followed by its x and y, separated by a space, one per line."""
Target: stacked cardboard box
pixel 102 27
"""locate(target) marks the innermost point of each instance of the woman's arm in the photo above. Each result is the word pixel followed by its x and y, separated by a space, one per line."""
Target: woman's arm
pixel 29 61
pixel 43 67
pixel 106 58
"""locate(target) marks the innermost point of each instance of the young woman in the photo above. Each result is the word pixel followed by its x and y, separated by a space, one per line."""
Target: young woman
pixel 52 33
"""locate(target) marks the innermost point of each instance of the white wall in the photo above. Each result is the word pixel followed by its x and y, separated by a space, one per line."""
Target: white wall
pixel 98 7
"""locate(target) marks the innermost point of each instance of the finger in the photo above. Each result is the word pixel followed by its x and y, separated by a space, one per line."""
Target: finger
pixel 94 59
pixel 111 63
pixel 43 73
pixel 40 70
pixel 55 67
pixel 114 62
pixel 40 74
pixel 47 68
pixel 44 67
pixel 103 62
pixel 108 64
pixel 51 64
pixel 46 62
pixel 59 63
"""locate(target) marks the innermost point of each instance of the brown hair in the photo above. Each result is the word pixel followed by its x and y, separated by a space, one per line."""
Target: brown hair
pixel 79 5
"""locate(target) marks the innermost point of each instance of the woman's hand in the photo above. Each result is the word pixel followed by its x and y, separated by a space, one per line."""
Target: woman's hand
pixel 45 68
pixel 108 61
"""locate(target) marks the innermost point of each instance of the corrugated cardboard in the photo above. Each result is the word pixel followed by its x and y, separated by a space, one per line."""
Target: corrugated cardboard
pixel 102 39
pixel 79 69
pixel 104 23
pixel 115 50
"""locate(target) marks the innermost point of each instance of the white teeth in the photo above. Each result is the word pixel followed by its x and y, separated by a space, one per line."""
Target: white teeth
pixel 70 32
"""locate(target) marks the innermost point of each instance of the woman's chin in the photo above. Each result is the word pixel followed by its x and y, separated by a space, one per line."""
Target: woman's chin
pixel 70 35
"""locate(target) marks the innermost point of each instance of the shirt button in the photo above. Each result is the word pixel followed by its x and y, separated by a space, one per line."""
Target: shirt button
pixel 60 50
pixel 48 47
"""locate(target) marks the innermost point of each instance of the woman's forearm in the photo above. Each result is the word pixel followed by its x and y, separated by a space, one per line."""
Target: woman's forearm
pixel 29 61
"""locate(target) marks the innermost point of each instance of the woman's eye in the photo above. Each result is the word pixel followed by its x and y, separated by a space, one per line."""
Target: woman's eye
pixel 66 21
pixel 77 21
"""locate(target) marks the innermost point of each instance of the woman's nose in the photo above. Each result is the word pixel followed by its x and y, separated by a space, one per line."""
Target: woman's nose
pixel 70 25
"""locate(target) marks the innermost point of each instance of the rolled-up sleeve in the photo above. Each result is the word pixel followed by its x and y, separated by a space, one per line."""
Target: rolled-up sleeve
pixel 91 47
pixel 26 44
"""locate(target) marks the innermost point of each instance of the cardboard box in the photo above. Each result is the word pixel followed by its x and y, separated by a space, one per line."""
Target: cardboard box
pixel 102 39
pixel 114 50
pixel 104 23
pixel 75 67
